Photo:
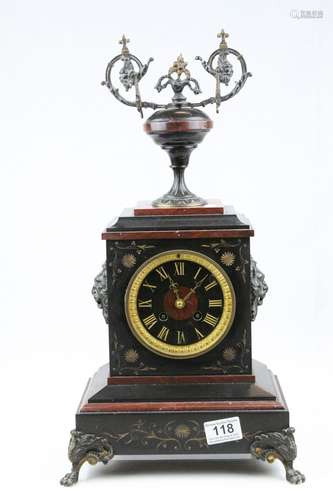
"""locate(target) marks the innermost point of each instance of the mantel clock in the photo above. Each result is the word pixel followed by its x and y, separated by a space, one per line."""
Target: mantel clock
pixel 179 291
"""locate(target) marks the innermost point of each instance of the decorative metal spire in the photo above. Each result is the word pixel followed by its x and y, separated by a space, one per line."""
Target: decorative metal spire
pixel 179 67
pixel 124 41
pixel 223 35
pixel 178 84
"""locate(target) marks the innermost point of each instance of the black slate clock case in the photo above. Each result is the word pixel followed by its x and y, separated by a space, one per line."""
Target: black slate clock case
pixel 232 355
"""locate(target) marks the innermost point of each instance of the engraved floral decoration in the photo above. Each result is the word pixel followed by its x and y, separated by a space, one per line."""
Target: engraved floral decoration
pixel 126 360
pixel 182 431
pixel 131 356
pixel 128 260
pixel 218 245
pixel 242 268
pixel 170 437
pixel 124 256
pixel 228 258
pixel 233 358
pixel 229 353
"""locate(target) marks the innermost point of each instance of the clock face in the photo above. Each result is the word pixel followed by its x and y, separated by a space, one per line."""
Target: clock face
pixel 180 304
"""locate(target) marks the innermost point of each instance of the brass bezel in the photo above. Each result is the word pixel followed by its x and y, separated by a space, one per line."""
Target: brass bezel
pixel 174 351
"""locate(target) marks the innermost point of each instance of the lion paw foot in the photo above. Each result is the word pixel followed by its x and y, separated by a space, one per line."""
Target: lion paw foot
pixel 70 479
pixel 295 477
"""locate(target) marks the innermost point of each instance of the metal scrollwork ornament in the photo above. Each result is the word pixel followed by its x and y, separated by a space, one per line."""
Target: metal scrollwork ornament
pixel 223 70
pixel 178 84
pixel 269 446
pixel 259 288
pixel 90 448
pixel 100 292
pixel 177 125
pixel 128 75
pixel 218 66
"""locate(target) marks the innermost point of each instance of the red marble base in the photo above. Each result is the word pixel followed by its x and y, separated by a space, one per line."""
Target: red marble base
pixel 146 208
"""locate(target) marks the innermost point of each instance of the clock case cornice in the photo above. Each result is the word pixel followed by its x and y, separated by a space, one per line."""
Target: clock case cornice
pixel 226 225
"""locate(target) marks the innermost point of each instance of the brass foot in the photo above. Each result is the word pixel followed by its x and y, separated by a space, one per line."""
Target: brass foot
pixel 278 445
pixel 83 448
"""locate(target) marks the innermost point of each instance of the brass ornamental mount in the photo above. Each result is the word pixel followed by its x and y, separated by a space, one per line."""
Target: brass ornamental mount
pixel 177 126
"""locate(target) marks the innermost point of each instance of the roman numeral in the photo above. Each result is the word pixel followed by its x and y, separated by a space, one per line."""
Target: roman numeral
pixel 145 303
pixel 199 334
pixel 197 273
pixel 215 303
pixel 180 268
pixel 181 337
pixel 162 272
pixel 163 334
pixel 147 285
pixel 210 320
pixel 210 285
pixel 150 321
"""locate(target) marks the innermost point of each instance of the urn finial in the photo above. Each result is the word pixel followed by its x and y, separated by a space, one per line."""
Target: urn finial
pixel 178 125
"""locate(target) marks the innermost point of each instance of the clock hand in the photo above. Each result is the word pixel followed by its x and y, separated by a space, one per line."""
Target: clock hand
pixel 174 287
pixel 197 284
